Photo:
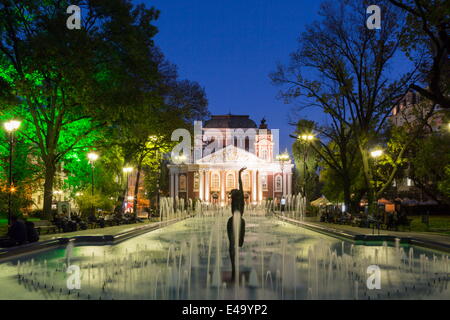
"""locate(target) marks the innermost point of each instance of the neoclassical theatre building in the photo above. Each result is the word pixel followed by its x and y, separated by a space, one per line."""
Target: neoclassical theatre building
pixel 222 146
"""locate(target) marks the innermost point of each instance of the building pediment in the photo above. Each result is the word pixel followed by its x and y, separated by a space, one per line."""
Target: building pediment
pixel 232 154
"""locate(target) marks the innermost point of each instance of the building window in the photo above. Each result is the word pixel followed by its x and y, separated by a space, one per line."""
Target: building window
pixel 230 181
pixel 246 181
pixel 247 144
pixel 264 154
pixel 264 182
pixel 182 183
pixel 215 183
pixel 196 181
pixel 278 183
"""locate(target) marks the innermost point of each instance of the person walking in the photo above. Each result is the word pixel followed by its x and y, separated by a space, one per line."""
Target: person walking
pixel 283 204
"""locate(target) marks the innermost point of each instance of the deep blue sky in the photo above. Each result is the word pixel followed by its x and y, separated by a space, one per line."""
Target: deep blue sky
pixel 230 47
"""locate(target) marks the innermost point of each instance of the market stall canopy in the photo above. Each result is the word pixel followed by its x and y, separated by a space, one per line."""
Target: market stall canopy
pixel 409 202
pixel 322 201
pixel 384 201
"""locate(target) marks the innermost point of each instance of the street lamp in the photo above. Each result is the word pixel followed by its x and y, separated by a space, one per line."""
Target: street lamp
pixel 376 153
pixel 11 126
pixel 282 158
pixel 92 156
pixel 306 138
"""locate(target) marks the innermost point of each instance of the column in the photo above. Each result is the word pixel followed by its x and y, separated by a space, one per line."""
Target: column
pixel 273 184
pixel 200 184
pixel 176 184
pixel 172 193
pixel 254 185
pixel 207 176
pixel 260 191
pixel 289 188
pixel 222 186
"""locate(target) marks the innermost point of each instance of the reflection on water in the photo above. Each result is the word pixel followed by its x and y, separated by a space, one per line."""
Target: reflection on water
pixel 189 260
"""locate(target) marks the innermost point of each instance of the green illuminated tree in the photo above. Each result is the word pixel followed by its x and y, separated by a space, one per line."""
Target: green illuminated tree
pixel 68 84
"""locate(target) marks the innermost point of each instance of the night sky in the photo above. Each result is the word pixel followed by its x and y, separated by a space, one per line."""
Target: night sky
pixel 230 47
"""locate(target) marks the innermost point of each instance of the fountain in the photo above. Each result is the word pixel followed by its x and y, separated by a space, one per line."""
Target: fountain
pixel 189 260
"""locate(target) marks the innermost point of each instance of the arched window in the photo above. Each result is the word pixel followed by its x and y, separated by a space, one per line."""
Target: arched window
pixel 264 182
pixel 215 183
pixel 264 154
pixel 247 144
pixel 230 181
pixel 196 181
pixel 278 183
pixel 246 181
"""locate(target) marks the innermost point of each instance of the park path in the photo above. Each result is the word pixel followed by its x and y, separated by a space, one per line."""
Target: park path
pixel 426 239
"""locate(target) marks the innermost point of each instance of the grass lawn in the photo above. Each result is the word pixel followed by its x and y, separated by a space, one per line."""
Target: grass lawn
pixel 438 224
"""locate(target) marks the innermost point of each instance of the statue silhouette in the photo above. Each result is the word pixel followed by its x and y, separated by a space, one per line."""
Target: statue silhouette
pixel 237 205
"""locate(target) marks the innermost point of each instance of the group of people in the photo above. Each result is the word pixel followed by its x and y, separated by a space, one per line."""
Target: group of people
pixel 66 224
pixel 390 219
pixel 20 232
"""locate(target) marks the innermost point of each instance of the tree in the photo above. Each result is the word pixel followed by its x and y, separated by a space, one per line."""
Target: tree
pixel 335 152
pixel 427 43
pixel 342 65
pixel 67 80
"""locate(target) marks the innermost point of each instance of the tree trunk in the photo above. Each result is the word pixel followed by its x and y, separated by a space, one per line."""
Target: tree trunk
pixel 136 188
pixel 371 195
pixel 50 170
pixel 347 195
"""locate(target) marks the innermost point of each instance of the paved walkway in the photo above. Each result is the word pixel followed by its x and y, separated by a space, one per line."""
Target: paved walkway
pixel 425 239
pixel 114 230
pixel 107 235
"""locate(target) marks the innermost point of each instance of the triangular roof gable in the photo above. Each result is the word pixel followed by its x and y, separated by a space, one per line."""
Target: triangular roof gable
pixel 231 154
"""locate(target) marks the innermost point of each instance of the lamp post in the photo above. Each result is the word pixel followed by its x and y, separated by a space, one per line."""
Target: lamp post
pixel 92 156
pixel 376 153
pixel 181 159
pixel 306 138
pixel 127 170
pixel 282 158
pixel 11 126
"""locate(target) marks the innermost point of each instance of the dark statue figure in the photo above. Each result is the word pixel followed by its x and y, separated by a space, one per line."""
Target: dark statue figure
pixel 237 205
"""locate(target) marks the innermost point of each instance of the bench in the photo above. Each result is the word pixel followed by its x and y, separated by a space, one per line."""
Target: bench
pixel 42 225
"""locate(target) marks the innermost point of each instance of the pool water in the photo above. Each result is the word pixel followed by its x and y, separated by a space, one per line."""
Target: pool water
pixel 190 260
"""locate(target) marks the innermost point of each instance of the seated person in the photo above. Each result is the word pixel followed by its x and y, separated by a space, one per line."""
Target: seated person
pixel 32 234
pixel 17 232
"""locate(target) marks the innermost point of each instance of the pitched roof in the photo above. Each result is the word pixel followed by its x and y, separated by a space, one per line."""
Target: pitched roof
pixel 232 154
pixel 230 121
